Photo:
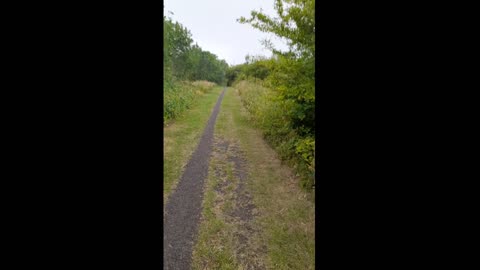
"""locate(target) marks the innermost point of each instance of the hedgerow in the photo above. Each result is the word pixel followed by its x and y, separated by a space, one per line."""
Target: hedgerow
pixel 279 92
pixel 267 112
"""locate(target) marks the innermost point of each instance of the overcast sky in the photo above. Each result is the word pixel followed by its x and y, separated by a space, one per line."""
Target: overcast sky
pixel 214 26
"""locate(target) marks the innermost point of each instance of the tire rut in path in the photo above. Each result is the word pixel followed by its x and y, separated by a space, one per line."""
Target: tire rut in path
pixel 184 206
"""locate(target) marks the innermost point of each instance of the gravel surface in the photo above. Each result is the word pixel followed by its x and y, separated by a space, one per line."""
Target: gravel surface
pixel 184 206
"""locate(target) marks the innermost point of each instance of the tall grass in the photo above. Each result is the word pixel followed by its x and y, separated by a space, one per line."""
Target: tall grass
pixel 203 85
pixel 269 112
pixel 181 95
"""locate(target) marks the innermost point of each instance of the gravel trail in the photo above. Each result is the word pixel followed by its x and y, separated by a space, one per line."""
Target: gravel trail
pixel 184 206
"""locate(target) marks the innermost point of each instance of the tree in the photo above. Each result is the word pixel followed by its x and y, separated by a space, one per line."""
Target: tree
pixel 184 60
pixel 293 73
pixel 295 23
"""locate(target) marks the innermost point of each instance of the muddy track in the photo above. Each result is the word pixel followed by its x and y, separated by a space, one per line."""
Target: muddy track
pixel 184 206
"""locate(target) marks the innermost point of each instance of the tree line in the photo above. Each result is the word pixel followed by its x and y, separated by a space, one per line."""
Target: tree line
pixel 185 60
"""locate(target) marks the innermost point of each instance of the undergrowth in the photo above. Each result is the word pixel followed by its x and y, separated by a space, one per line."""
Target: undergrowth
pixel 269 113
pixel 181 95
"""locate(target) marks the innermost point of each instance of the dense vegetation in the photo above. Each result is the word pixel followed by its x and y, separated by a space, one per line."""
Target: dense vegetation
pixel 181 95
pixel 279 92
pixel 183 63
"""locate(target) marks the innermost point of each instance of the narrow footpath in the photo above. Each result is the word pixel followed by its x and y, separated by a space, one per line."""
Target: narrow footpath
pixel 184 206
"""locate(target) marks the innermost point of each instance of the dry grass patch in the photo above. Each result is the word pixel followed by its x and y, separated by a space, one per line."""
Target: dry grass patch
pixel 203 86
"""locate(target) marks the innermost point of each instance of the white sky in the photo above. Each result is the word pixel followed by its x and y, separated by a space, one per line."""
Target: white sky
pixel 214 26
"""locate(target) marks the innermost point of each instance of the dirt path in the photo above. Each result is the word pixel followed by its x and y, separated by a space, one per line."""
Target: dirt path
pixel 184 206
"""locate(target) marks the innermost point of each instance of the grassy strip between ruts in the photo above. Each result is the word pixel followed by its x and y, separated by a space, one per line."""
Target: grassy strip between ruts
pixel 180 138
pixel 285 214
